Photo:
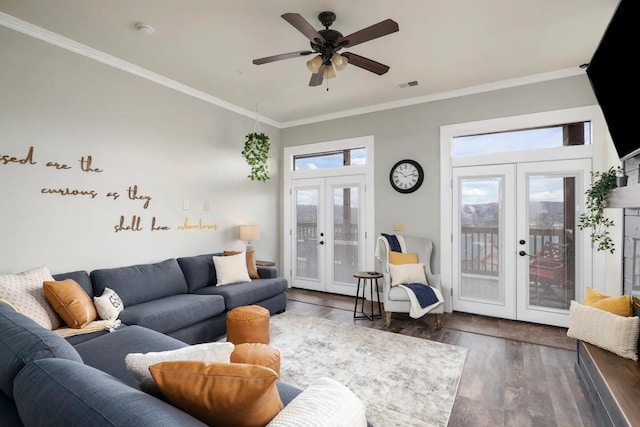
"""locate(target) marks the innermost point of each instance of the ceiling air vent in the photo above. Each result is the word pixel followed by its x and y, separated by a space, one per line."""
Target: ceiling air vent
pixel 407 84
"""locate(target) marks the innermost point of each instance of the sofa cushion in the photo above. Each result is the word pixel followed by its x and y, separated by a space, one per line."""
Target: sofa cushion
pixel 140 283
pixel 81 277
pixel 138 363
pixel 24 291
pixel 199 271
pixel 247 293
pixel 71 302
pixel 64 393
pixel 109 305
pixel 231 269
pixel 107 352
pixel 172 313
pixel 220 394
pixel 23 340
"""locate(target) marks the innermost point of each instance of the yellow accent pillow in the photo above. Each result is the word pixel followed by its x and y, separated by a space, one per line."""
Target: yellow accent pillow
pixel 220 394
pixel 71 302
pixel 403 258
pixel 617 305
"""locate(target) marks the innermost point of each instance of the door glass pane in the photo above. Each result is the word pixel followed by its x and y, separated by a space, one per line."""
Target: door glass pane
pixel 551 222
pixel 346 207
pixel 306 215
pixel 481 226
pixel 332 159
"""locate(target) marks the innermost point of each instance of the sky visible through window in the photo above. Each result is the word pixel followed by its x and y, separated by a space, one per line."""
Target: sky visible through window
pixel 333 160
pixel 542 188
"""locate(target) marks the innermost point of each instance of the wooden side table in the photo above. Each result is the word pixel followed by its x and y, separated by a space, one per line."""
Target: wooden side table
pixel 364 276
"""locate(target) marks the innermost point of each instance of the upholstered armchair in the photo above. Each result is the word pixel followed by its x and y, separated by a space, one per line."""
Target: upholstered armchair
pixel 396 299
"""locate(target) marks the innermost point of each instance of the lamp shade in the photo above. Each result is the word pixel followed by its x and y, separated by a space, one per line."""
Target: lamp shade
pixel 339 61
pixel 249 233
pixel 314 64
pixel 329 72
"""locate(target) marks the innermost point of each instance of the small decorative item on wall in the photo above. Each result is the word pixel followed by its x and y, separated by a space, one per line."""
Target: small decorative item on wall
pixel 406 176
pixel 594 217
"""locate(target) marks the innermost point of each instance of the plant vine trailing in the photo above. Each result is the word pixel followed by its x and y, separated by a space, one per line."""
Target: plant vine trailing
pixel 256 153
pixel 594 217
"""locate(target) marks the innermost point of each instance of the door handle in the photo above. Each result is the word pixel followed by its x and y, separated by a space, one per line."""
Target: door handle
pixel 321 242
pixel 523 253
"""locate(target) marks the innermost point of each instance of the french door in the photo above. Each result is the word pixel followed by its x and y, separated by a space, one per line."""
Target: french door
pixel 328 233
pixel 517 251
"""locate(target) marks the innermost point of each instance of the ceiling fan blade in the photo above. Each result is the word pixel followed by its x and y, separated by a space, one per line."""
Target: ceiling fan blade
pixel 380 29
pixel 304 27
pixel 273 58
pixel 366 63
pixel 316 79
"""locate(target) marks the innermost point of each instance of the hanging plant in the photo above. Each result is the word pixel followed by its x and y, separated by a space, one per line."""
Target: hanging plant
pixel 594 217
pixel 256 153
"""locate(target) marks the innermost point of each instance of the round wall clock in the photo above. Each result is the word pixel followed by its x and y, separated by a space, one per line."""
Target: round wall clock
pixel 406 176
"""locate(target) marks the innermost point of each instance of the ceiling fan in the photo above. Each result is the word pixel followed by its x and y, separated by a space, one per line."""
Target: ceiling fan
pixel 327 43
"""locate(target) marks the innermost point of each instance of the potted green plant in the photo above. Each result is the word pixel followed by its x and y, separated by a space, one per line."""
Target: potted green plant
pixel 594 217
pixel 256 153
pixel 621 179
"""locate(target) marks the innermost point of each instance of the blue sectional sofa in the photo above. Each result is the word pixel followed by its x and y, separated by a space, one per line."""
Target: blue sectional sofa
pixel 47 381
pixel 179 297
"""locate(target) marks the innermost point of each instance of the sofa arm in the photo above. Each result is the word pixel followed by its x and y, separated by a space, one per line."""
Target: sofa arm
pixel 267 272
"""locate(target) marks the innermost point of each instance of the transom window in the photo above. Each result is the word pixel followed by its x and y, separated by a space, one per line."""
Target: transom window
pixel 330 159
pixel 522 140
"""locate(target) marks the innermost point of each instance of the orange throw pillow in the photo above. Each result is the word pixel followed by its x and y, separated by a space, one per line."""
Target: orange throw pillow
pixel 220 394
pixel 255 353
pixel 71 302
pixel 251 262
pixel 622 305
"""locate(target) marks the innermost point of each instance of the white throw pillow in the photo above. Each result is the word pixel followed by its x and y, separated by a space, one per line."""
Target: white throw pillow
pixel 108 305
pixel 324 403
pixel 231 268
pixel 618 334
pixel 24 290
pixel 402 274
pixel 138 363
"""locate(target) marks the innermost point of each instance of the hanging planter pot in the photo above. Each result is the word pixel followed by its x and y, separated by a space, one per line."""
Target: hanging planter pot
pixel 256 153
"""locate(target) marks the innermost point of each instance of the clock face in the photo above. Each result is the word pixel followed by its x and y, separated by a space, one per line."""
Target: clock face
pixel 406 176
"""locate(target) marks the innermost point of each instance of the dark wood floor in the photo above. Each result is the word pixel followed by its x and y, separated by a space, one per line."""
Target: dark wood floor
pixel 505 382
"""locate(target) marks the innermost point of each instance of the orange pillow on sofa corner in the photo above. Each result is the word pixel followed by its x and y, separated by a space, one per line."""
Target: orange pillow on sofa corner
pixel 220 394
pixel 71 302
pixel 251 262
pixel 617 305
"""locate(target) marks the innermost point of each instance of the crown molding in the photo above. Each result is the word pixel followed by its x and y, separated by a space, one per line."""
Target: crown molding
pixel 471 90
pixel 97 55
pixel 55 39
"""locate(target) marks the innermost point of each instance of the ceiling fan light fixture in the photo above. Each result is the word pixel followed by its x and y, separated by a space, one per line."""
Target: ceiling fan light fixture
pixel 314 64
pixel 339 61
pixel 329 72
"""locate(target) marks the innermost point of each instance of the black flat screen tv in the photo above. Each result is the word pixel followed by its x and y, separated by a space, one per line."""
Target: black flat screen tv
pixel 615 79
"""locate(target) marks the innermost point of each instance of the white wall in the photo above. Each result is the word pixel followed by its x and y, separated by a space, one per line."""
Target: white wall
pixel 172 146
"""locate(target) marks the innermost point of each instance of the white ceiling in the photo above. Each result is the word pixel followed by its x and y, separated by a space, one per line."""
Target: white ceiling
pixel 446 45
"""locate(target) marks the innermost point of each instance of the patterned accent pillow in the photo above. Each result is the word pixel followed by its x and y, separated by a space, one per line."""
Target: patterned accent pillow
pixel 618 334
pixel 138 363
pixel 325 401
pixel 24 291
pixel 109 305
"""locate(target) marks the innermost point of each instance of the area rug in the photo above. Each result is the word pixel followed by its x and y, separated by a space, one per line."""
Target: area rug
pixel 403 381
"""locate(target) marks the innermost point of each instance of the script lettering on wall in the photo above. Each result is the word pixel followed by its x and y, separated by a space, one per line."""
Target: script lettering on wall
pixel 133 193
